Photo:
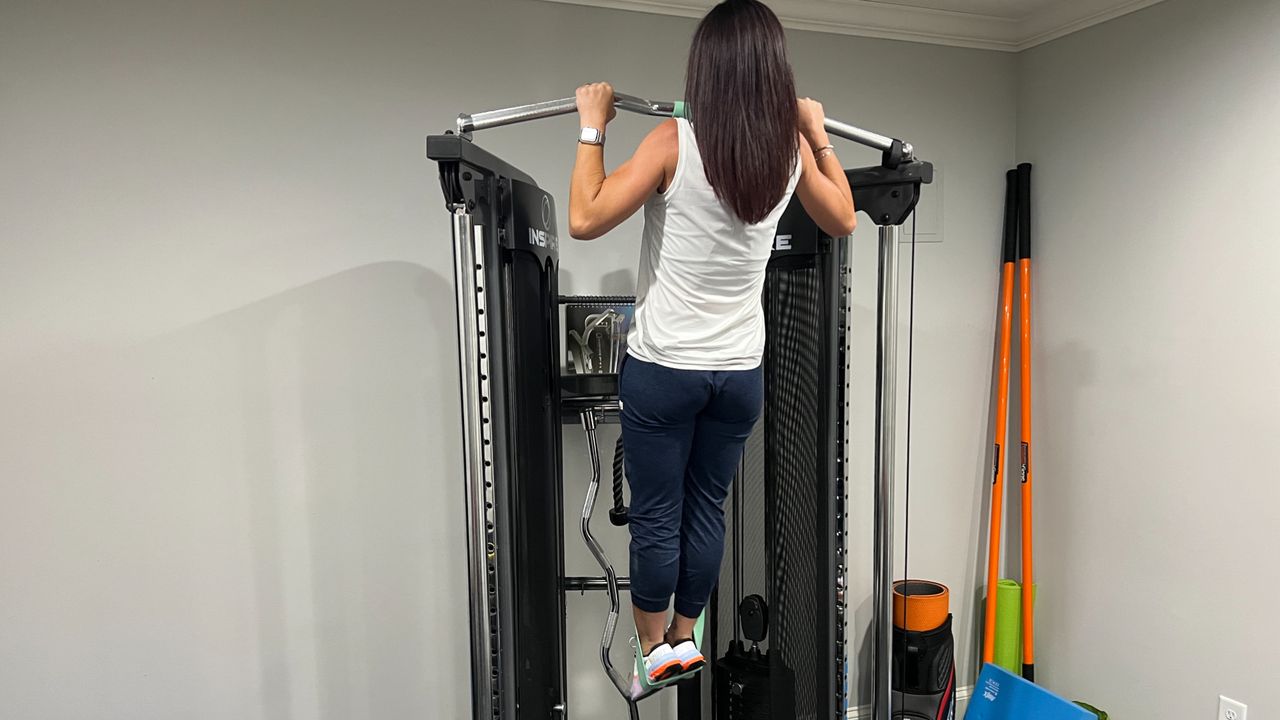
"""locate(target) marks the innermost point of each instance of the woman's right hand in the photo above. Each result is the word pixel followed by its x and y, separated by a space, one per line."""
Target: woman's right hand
pixel 595 105
pixel 813 122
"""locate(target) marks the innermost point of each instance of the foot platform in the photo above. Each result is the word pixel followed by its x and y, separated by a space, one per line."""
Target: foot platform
pixel 640 685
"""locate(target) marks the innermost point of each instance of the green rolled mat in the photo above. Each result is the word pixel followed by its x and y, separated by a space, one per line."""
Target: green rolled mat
pixel 1008 649
pixel 1102 715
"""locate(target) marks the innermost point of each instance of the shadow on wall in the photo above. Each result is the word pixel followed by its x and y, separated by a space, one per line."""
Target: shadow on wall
pixel 950 483
pixel 617 282
pixel 979 540
pixel 359 486
pixel 275 485
pixel 1075 365
pixel 1011 509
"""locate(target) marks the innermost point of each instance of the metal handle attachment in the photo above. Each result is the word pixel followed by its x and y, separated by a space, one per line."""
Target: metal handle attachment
pixel 625 683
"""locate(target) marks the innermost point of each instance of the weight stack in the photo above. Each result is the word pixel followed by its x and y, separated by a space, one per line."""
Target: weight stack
pixel 747 688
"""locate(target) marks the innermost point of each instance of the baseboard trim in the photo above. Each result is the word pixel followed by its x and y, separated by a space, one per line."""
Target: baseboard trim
pixel 962 701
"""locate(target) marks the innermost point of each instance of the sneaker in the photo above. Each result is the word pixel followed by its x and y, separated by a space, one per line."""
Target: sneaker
pixel 662 664
pixel 689 655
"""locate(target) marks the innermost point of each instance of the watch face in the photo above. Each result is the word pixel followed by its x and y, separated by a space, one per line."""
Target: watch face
pixel 590 136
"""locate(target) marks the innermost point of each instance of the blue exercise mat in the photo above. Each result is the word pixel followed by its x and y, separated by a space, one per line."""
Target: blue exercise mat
pixel 1001 695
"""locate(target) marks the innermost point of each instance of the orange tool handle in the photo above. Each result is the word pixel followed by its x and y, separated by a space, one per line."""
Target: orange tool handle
pixel 1024 311
pixel 1002 416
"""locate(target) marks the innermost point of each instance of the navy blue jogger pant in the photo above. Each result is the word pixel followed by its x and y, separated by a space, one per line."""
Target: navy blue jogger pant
pixel 682 433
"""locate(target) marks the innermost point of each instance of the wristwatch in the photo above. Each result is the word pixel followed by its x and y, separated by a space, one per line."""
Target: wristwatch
pixel 591 136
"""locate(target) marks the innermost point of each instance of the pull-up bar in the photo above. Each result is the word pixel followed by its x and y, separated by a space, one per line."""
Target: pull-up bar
pixel 564 106
pixel 896 151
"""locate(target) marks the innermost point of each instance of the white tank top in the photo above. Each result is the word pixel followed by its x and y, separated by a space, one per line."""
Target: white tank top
pixel 701 273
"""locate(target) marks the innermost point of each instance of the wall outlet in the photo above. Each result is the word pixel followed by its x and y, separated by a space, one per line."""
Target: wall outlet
pixel 1229 709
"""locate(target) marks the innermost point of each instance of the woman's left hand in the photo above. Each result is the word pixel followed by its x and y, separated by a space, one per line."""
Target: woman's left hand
pixel 595 105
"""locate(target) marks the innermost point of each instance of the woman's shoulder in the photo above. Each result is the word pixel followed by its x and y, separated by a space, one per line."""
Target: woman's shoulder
pixel 665 137
pixel 667 133
pixel 662 144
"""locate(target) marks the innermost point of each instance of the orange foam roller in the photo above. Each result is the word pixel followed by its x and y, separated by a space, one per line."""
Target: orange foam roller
pixel 920 605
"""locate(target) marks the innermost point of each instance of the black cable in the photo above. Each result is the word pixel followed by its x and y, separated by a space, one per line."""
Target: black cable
pixel 906 502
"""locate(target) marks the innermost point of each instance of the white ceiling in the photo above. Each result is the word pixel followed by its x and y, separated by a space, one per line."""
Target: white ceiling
pixel 1009 25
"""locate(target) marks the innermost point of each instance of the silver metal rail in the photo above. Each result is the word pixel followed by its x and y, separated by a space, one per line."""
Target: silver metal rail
pixel 885 455
pixel 468 123
pixel 477 470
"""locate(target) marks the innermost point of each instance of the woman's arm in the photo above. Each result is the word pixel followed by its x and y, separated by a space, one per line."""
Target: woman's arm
pixel 823 188
pixel 599 203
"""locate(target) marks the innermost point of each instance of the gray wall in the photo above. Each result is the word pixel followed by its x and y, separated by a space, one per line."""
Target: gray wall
pixel 228 428
pixel 1156 170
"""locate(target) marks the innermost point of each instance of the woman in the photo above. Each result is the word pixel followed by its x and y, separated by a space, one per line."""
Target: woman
pixel 692 387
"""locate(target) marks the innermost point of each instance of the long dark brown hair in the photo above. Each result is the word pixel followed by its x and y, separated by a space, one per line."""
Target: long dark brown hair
pixel 742 101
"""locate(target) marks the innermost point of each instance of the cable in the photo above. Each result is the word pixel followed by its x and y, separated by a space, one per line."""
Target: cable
pixel 618 502
pixel 906 502
pixel 618 514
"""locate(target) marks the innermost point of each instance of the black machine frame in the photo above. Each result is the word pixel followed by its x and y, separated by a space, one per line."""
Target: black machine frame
pixel 506 251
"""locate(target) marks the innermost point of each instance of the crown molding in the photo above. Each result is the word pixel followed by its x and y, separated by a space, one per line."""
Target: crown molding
pixel 855 17
pixel 1062 19
pixel 868 18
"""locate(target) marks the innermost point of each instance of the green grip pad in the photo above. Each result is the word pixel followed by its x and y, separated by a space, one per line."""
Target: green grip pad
pixel 681 110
